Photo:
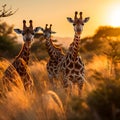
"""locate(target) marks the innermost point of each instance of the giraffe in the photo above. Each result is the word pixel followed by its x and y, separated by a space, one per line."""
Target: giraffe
pixel 72 66
pixel 20 62
pixel 56 54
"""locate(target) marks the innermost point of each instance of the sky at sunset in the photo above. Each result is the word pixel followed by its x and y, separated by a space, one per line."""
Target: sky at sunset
pixel 101 12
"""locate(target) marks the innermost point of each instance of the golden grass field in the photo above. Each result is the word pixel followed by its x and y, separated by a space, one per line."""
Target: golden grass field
pixel 47 102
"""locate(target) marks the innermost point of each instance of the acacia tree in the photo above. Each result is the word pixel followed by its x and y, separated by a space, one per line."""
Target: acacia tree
pixel 113 55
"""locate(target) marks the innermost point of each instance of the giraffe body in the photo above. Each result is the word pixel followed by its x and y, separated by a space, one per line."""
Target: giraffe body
pixel 53 67
pixel 55 53
pixel 20 64
pixel 72 66
pixel 56 56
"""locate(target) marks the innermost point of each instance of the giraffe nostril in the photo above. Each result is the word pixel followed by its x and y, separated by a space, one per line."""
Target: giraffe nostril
pixel 79 30
pixel 28 39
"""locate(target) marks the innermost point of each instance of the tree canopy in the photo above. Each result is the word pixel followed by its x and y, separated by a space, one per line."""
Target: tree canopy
pixel 8 44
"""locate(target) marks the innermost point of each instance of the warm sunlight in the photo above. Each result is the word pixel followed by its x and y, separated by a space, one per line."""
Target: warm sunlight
pixel 114 16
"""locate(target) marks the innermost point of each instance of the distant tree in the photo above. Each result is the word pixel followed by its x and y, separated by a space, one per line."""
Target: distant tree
pixel 113 55
pixel 38 48
pixel 8 44
pixel 110 38
pixel 107 31
pixel 90 44
pixel 100 39
pixel 6 12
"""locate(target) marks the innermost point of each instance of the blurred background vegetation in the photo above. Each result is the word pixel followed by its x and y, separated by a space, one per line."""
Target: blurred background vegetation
pixel 101 55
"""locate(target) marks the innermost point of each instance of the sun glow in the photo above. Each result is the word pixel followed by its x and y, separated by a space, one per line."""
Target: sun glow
pixel 114 16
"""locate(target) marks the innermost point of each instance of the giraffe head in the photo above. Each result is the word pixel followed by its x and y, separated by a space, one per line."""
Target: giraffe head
pixel 47 31
pixel 27 32
pixel 78 23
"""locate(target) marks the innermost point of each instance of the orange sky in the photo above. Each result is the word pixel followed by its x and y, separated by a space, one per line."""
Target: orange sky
pixel 101 12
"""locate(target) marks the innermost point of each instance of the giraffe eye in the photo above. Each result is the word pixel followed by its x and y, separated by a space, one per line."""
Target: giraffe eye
pixel 23 33
pixel 73 24
pixel 33 33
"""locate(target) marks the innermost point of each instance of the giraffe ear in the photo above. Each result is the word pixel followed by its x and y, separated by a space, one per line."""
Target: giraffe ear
pixel 41 29
pixel 86 19
pixel 70 20
pixel 18 31
pixel 37 29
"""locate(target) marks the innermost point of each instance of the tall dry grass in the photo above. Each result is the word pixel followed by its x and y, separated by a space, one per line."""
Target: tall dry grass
pixel 42 104
pixel 47 102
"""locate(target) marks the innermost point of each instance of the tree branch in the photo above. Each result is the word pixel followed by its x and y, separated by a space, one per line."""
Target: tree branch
pixel 8 12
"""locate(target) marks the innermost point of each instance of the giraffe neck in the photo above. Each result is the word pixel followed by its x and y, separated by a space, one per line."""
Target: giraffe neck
pixel 74 47
pixel 24 53
pixel 51 48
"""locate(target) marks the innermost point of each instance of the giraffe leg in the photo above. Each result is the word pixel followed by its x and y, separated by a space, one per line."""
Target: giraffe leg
pixel 79 92
pixel 67 84
pixel 28 83
pixel 71 88
pixel 80 86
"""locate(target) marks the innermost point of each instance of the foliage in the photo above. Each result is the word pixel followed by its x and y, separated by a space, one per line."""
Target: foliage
pixel 105 100
pixel 78 109
pixel 101 40
pixel 8 45
pixel 102 103
pixel 39 49
pixel 90 44
pixel 107 31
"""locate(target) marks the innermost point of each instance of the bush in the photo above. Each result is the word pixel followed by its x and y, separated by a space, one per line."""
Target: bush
pixel 8 46
pixel 104 101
